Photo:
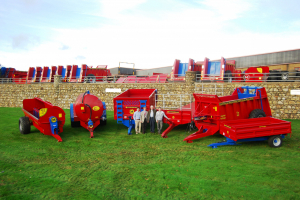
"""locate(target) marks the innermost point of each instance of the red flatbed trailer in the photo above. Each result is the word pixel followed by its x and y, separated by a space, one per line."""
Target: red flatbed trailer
pixel 47 118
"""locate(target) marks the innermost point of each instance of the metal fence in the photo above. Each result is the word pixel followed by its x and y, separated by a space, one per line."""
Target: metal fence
pixel 251 77
pixel 100 79
pixel 174 101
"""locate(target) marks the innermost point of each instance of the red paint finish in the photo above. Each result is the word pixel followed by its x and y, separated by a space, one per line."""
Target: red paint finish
pixel 88 107
pixel 42 122
pixel 256 74
pixel 131 100
pixel 211 110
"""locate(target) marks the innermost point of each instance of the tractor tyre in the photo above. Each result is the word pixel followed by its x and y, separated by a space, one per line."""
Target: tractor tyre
pixel 275 141
pixel 228 76
pixel 257 113
pixel 284 75
pixel 24 125
pixel 90 78
pixel 273 75
pixel 75 124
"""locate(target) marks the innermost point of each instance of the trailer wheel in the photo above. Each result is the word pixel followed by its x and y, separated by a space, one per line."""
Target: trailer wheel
pixel 273 75
pixel 75 124
pixel 284 75
pixel 24 125
pixel 227 76
pixel 257 113
pixel 275 141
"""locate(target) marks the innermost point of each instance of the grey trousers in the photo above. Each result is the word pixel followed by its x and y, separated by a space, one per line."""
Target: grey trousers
pixel 159 126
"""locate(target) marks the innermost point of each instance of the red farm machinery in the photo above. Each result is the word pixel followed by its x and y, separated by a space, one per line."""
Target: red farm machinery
pixel 47 118
pixel 243 116
pixel 126 104
pixel 88 111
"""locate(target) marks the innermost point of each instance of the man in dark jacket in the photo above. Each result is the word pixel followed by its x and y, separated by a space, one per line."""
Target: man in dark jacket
pixel 151 118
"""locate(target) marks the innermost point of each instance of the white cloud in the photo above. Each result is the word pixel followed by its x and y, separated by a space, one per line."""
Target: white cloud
pixel 154 42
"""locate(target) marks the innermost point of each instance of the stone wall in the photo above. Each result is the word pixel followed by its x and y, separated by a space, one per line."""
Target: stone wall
pixel 283 104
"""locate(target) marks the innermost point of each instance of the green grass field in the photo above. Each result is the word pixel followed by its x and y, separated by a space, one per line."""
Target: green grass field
pixel 114 165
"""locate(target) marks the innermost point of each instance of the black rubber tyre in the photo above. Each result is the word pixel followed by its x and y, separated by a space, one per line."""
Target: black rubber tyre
pixel 284 75
pixel 90 78
pixel 227 76
pixel 257 113
pixel 275 141
pixel 75 124
pixel 24 125
pixel 273 75
pixel 103 122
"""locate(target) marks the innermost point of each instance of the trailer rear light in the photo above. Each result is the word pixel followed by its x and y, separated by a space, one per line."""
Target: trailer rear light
pixel 125 117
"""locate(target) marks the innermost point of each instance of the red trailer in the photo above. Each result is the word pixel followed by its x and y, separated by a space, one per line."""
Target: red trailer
pixel 212 114
pixel 217 70
pixel 256 74
pixel 126 104
pixel 47 118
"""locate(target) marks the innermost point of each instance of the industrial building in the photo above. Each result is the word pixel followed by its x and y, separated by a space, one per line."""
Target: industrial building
pixel 282 60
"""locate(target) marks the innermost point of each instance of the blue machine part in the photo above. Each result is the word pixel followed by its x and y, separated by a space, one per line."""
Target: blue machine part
pixel 53 125
pixel 90 124
pixel 183 67
pixel 48 73
pixel 3 70
pixel 36 113
pixel 232 142
pixel 214 68
pixel 72 112
pixel 33 74
pixel 78 72
pixel 104 111
pixel 247 93
pixel 63 72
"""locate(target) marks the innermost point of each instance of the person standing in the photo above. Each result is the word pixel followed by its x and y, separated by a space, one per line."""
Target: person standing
pixel 159 119
pixel 144 120
pixel 151 118
pixel 137 120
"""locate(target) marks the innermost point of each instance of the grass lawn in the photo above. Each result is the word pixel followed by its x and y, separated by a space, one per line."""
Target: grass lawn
pixel 114 165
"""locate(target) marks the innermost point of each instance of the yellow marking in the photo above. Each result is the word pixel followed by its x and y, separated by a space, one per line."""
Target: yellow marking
pixel 42 112
pixel 259 70
pixel 172 112
pixel 53 119
pixel 262 126
pixel 227 131
pixel 131 107
pixel 237 114
pixel 96 108
pixel 60 115
pixel 82 108
pixel 215 108
pixel 173 117
pixel 227 126
pixel 131 111
pixel 96 117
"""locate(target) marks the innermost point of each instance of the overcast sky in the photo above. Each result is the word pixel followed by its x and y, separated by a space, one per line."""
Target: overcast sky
pixel 149 33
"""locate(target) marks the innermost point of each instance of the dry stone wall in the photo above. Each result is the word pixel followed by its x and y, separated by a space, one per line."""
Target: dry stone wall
pixel 283 104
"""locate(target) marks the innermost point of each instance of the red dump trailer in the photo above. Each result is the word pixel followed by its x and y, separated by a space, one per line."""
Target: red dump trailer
pixel 126 104
pixel 47 118
pixel 212 114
